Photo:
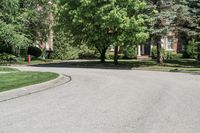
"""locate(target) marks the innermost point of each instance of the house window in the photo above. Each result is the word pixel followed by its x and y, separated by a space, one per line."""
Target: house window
pixel 170 42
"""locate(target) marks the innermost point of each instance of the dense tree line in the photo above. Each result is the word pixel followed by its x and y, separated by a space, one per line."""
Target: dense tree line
pixel 99 23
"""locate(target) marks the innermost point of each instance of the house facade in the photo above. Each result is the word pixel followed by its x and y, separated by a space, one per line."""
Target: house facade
pixel 168 43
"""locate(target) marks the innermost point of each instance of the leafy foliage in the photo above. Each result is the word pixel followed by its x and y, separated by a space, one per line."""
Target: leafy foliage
pixel 192 49
pixel 155 52
pixel 7 58
pixel 130 52
pixel 162 24
pixel 62 47
pixel 10 29
pixel 22 22
pixel 87 53
pixel 104 23
pixel 188 24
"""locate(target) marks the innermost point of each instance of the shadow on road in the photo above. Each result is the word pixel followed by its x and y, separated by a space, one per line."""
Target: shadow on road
pixel 84 64
pixel 123 65
pixel 126 65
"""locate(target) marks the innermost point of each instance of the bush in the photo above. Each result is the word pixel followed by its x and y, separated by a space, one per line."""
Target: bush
pixel 154 52
pixel 129 52
pixel 87 53
pixel 7 58
pixel 63 46
pixel 192 49
pixel 34 51
pixel 111 55
pixel 64 52
pixel 177 56
pixel 168 55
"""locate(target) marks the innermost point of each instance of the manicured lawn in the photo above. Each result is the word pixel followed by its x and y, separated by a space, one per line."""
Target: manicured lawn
pixel 14 80
pixel 37 61
pixel 186 66
pixel 179 65
pixel 6 69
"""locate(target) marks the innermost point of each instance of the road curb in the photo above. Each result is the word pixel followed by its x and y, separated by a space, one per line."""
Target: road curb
pixel 28 90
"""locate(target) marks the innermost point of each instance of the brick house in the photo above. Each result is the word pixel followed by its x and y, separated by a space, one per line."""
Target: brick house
pixel 168 42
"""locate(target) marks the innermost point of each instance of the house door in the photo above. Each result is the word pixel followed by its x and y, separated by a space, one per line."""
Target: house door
pixel 147 48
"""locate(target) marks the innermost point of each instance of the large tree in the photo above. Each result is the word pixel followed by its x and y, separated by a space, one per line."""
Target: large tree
pixel 101 23
pixel 11 31
pixel 23 22
pixel 163 23
pixel 35 18
pixel 195 13
pixel 187 20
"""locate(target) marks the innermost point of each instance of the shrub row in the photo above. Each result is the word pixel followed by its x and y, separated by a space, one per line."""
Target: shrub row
pixel 6 58
pixel 167 55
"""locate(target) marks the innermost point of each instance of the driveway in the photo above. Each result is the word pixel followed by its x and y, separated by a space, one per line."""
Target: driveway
pixel 108 101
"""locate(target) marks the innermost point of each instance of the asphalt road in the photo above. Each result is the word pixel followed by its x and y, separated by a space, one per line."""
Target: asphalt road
pixel 108 101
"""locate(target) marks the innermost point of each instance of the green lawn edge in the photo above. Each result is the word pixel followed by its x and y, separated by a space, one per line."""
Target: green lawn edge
pixel 16 80
pixel 7 69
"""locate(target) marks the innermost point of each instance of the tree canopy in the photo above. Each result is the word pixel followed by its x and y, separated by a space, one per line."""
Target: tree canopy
pixel 98 23
pixel 22 22
pixel 104 23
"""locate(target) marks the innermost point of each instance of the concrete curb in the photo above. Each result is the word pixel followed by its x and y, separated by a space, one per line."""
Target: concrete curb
pixel 28 90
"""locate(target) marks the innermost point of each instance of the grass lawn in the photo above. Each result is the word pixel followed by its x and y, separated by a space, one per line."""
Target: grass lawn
pixel 37 61
pixel 6 69
pixel 179 65
pixel 14 80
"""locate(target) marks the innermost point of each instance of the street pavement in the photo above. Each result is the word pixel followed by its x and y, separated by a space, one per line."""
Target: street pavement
pixel 107 101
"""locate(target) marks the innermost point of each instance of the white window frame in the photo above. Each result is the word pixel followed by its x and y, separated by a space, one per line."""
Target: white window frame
pixel 172 43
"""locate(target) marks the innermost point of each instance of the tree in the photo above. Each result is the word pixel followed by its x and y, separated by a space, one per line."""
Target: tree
pixel 195 12
pixel 163 20
pixel 23 22
pixel 11 32
pixel 192 49
pixel 103 23
pixel 188 21
pixel 35 18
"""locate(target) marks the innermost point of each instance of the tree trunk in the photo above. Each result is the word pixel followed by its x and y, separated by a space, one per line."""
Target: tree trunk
pixel 116 55
pixel 102 52
pixel 103 56
pixel 159 51
pixel 198 51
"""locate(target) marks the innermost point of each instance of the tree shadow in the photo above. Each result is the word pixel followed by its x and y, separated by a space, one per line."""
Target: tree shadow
pixel 93 64
pixel 184 63
pixel 170 65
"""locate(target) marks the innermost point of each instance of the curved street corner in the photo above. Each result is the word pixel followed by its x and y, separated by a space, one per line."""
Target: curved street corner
pixel 107 101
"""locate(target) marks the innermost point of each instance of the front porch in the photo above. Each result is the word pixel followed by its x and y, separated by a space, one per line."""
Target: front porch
pixel 144 52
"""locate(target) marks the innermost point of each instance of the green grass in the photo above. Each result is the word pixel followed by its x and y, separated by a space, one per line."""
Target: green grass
pixel 179 65
pixel 14 80
pixel 36 61
pixel 6 69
